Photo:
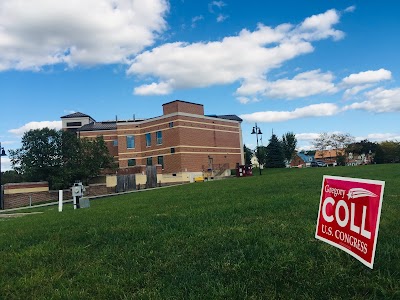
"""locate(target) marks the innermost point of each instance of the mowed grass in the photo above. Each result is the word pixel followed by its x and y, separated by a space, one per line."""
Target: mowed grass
pixel 240 238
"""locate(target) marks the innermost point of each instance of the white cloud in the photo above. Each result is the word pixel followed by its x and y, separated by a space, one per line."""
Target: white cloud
pixel 196 19
pixel 302 85
pixel 315 110
pixel 221 18
pixel 367 77
pixel 162 88
pixel 350 9
pixel 307 136
pixel 355 90
pixel 36 125
pixel 379 137
pixel 379 101
pixel 5 164
pixel 247 57
pixel 217 4
pixel 37 33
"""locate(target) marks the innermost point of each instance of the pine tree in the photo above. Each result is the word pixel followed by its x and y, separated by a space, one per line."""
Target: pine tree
pixel 274 153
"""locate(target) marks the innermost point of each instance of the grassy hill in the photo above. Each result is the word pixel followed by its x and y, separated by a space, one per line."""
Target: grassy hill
pixel 234 239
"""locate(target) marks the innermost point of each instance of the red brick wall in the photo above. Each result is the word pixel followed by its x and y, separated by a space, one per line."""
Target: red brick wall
pixel 186 107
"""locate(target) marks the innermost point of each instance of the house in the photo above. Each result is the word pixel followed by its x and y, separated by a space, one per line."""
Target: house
pixel 301 160
pixel 182 139
pixel 330 157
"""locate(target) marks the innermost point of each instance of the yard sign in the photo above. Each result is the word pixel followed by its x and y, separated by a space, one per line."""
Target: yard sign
pixel 349 214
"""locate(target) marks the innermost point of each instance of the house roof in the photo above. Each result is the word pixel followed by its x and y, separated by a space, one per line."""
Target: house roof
pixel 226 117
pixel 328 153
pixel 76 115
pixel 99 126
pixel 305 157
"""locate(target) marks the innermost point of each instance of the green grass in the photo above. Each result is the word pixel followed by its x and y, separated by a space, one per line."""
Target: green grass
pixel 232 239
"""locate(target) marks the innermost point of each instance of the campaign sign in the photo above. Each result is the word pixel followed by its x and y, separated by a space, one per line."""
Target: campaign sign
pixel 349 214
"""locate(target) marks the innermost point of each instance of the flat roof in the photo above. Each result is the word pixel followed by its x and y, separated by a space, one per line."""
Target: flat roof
pixel 182 102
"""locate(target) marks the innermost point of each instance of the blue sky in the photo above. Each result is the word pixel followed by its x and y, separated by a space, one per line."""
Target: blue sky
pixel 303 66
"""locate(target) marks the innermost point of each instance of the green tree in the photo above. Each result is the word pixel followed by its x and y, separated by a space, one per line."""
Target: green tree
pixel 391 150
pixel 289 143
pixel 40 157
pixel 274 154
pixel 248 154
pixel 11 176
pixel 59 157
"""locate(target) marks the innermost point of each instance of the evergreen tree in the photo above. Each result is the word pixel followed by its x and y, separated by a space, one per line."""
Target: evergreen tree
pixel 274 153
pixel 289 143
pixel 248 154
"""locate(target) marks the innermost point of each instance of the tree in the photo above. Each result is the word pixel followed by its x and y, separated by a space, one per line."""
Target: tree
pixel 11 176
pixel 59 157
pixel 40 157
pixel 391 151
pixel 261 155
pixel 322 141
pixel 289 143
pixel 248 154
pixel 274 154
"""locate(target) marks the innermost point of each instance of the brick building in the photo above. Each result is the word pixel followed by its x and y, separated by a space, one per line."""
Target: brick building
pixel 183 139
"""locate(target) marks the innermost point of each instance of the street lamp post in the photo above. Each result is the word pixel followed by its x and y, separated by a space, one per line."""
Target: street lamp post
pixel 2 153
pixel 257 131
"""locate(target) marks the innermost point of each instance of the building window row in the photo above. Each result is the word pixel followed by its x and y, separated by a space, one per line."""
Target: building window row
pixel 130 140
pixel 149 161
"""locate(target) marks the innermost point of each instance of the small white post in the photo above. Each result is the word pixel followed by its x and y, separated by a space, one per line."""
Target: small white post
pixel 60 200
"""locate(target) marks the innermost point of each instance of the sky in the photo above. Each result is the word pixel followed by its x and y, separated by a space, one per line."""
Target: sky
pixel 301 66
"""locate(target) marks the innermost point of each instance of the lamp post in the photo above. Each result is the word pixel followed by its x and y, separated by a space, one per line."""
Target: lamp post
pixel 2 153
pixel 257 131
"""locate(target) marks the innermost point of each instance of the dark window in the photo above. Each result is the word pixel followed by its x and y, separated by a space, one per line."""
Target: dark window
pixel 74 124
pixel 172 150
pixel 160 161
pixel 131 162
pixel 148 139
pixel 171 124
pixel 159 137
pixel 115 142
pixel 130 142
pixel 149 161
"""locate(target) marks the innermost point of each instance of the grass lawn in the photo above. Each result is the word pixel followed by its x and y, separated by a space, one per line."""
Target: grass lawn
pixel 234 239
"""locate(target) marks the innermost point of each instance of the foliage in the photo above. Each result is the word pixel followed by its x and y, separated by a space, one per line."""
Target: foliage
pixel 248 154
pixel 274 154
pixel 362 147
pixel 11 176
pixel 240 238
pixel 391 151
pixel 322 141
pixel 59 157
pixel 39 158
pixel 289 143
pixel 261 153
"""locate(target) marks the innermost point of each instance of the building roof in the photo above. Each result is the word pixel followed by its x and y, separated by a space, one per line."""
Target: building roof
pixel 306 158
pixel 94 126
pixel 226 117
pixel 183 102
pixel 328 153
pixel 76 115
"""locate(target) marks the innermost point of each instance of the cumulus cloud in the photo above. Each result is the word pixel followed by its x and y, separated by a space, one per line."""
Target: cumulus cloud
pixel 36 125
pixel 246 57
pixel 37 33
pixel 367 77
pixel 315 110
pixel 307 136
pixel 379 101
pixel 378 137
pixel 5 164
pixel 221 18
pixel 162 88
pixel 302 85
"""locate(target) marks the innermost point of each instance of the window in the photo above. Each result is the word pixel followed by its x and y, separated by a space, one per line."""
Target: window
pixel 130 142
pixel 172 150
pixel 159 137
pixel 69 124
pixel 171 124
pixel 149 161
pixel 148 139
pixel 115 143
pixel 131 162
pixel 160 161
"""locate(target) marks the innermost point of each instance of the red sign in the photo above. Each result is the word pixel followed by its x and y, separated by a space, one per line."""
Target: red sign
pixel 349 214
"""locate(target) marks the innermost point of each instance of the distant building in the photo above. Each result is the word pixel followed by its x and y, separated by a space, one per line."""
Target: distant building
pixel 183 139
pixel 302 160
